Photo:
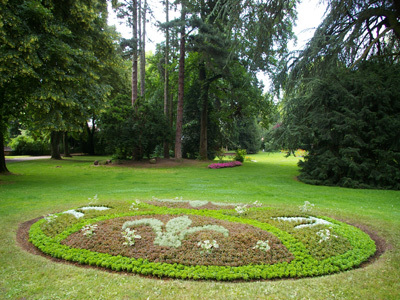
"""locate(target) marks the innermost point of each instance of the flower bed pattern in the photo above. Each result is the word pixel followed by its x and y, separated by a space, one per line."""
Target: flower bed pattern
pixel 217 244
pixel 230 164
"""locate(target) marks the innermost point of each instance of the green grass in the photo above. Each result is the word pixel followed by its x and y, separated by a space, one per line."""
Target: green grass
pixel 45 186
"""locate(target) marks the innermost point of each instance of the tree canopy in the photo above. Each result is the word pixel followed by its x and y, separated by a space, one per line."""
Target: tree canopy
pixel 342 100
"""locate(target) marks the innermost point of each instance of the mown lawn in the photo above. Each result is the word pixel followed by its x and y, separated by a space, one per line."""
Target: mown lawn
pixel 45 186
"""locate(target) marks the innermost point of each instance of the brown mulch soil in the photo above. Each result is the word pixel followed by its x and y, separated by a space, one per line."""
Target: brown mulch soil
pixel 235 250
pixel 161 163
pixel 22 239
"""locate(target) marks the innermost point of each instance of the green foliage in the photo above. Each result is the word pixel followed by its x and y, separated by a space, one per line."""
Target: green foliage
pixel 358 248
pixel 249 135
pixel 347 121
pixel 240 155
pixel 128 131
pixel 25 144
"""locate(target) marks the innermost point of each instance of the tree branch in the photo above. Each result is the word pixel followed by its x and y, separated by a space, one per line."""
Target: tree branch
pixel 370 46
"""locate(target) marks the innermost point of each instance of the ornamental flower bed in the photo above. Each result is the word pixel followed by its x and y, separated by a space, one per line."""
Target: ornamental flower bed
pixel 226 242
pixel 230 164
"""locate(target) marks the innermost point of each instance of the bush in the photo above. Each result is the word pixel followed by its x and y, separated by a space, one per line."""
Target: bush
pixel 27 145
pixel 240 155
pixel 128 132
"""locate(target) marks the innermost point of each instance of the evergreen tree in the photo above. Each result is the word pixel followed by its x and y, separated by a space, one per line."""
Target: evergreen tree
pixel 348 122
pixel 341 97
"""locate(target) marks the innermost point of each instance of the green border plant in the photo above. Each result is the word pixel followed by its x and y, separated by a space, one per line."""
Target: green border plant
pixel 303 264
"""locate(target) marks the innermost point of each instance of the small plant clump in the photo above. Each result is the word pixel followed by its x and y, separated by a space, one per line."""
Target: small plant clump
pixel 306 207
pixel 50 218
pixel 325 235
pixel 262 245
pixel 89 230
pixel 208 246
pixel 242 242
pixel 241 209
pixel 135 205
pixel 130 236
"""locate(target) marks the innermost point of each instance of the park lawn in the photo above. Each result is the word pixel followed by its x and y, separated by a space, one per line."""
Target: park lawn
pixel 46 186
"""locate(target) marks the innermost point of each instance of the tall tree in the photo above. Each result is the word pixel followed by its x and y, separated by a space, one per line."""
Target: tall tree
pixel 128 10
pixel 23 27
pixel 353 31
pixel 181 84
pixel 254 32
pixel 134 52
pixel 340 101
pixel 166 75
pixel 142 47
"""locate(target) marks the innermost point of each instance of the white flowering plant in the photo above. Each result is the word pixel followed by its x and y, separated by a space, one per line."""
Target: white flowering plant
pixel 306 207
pixel 50 218
pixel 262 245
pixel 325 235
pixel 207 246
pixel 89 230
pixel 257 203
pixel 93 200
pixel 130 236
pixel 135 205
pixel 240 209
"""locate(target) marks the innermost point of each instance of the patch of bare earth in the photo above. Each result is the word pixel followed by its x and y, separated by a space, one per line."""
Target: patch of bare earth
pixel 160 163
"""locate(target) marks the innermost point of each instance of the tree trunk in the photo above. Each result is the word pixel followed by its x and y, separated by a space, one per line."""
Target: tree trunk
pixel 66 145
pixel 55 139
pixel 166 77
pixel 204 111
pixel 3 167
pixel 143 53
pixel 181 89
pixel 134 53
pixel 90 140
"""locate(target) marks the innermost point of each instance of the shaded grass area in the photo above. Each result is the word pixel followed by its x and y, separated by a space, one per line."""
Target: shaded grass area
pixel 46 186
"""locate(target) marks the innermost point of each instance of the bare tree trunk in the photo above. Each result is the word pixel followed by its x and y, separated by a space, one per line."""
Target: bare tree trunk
pixel 134 53
pixel 204 111
pixel 143 52
pixel 90 140
pixel 3 167
pixel 55 139
pixel 66 145
pixel 166 76
pixel 181 89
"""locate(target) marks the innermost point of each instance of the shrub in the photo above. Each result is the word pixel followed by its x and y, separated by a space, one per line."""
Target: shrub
pixel 133 132
pixel 240 155
pixel 26 145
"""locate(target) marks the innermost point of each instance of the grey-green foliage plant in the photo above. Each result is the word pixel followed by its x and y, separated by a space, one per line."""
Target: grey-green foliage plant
pixel 175 230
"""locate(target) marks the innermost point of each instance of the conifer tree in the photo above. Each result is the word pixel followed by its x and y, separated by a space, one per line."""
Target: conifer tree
pixel 341 98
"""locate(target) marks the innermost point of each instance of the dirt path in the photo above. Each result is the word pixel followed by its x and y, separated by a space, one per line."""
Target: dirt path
pixel 11 160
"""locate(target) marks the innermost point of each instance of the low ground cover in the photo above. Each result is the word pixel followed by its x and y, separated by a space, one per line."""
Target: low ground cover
pixel 255 243
pixel 46 186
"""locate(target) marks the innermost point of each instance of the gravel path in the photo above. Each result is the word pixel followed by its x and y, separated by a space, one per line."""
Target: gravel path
pixel 10 160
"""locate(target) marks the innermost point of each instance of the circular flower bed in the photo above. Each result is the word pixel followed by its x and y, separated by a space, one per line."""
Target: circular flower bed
pixel 202 240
